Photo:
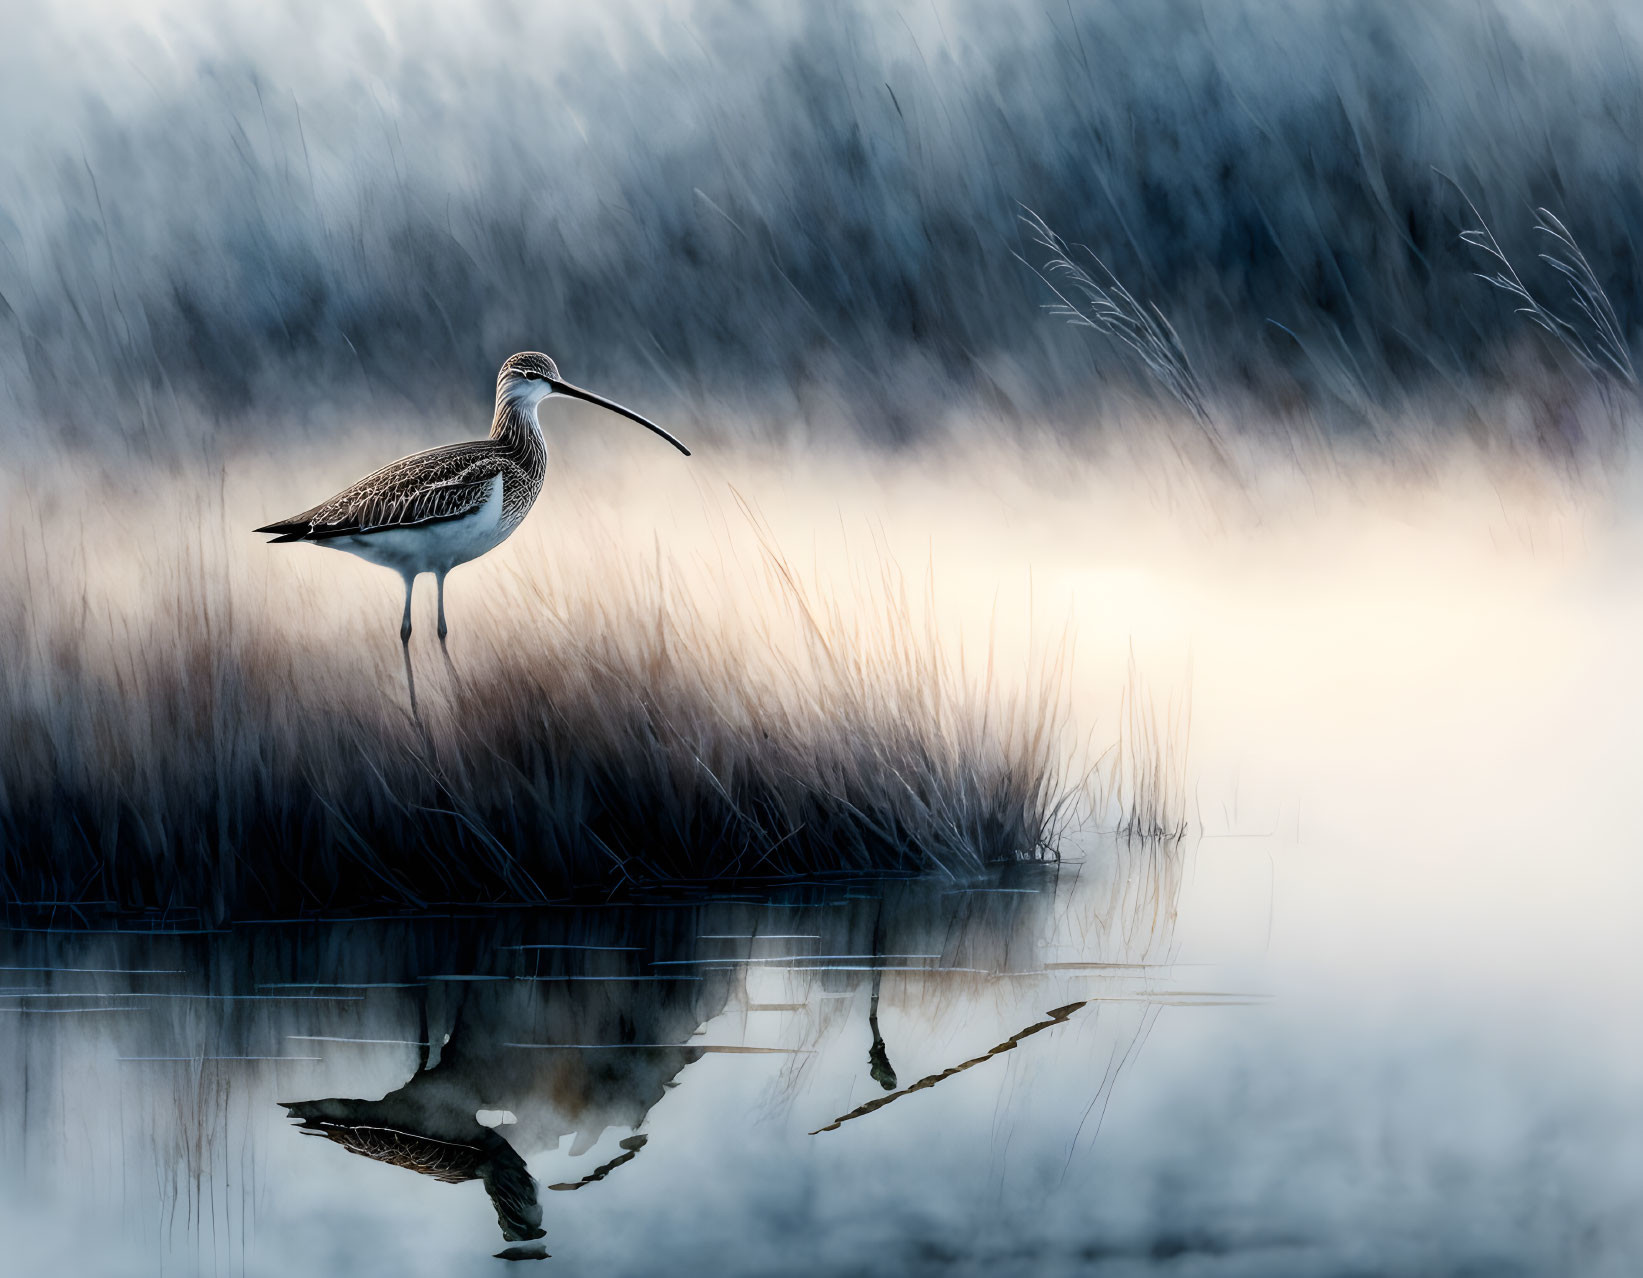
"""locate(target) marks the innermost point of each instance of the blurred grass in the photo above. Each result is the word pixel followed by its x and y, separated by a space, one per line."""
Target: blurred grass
pixel 800 217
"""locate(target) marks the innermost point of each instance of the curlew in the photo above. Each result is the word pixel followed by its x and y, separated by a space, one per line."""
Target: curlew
pixel 434 510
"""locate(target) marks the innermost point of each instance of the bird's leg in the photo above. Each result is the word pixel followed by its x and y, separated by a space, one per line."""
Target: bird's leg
pixel 405 645
pixel 439 580
pixel 410 683
pixel 422 1038
pixel 405 621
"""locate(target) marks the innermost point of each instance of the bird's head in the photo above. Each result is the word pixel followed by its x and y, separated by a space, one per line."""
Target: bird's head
pixel 530 377
pixel 528 372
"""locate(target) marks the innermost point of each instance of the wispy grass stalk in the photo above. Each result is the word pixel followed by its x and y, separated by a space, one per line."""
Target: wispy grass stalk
pixel 1598 345
pixel 1097 300
pixel 1146 786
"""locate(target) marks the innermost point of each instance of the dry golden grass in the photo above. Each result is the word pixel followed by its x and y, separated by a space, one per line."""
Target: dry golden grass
pixel 197 722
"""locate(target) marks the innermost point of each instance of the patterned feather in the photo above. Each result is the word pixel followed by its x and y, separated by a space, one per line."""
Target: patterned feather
pixel 441 483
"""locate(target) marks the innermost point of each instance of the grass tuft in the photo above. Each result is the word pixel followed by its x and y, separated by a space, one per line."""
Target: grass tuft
pixel 1146 787
pixel 194 727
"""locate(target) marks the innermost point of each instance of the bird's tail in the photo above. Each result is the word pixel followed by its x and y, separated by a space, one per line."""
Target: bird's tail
pixel 285 530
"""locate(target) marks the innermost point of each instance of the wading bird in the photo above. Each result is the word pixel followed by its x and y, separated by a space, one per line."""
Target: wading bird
pixel 434 510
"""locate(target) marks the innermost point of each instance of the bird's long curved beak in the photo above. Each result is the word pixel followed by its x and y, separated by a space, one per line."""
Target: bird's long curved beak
pixel 576 392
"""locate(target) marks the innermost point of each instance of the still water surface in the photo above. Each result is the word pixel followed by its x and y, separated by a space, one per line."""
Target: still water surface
pixel 1038 1074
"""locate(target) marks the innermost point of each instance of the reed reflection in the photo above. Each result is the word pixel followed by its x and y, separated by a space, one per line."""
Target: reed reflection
pixel 496 1049
pixel 516 1061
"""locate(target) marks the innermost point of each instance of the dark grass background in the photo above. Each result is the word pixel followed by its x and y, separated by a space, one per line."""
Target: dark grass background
pixel 789 213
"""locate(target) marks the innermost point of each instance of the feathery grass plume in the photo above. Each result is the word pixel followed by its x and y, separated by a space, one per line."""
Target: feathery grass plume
pixel 180 736
pixel 1608 348
pixel 1112 310
pixel 1602 351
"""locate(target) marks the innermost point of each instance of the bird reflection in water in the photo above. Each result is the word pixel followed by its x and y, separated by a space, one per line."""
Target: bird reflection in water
pixel 363 1127
pixel 878 1056
pixel 532 1059
pixel 597 1059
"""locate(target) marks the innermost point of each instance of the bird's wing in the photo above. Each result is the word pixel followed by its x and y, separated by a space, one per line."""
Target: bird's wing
pixel 425 488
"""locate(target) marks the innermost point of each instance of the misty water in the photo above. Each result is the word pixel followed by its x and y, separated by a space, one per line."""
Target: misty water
pixel 1045 1073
